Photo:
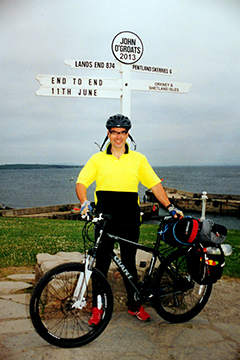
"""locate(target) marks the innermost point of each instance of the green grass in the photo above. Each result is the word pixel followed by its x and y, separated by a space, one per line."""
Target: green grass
pixel 22 239
pixel 232 267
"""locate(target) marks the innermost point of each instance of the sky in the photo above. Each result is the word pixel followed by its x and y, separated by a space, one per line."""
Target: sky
pixel 201 39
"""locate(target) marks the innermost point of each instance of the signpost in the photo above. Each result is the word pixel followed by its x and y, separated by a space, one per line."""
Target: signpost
pixel 127 48
pixel 154 70
pixel 80 92
pixel 92 64
pixel 162 86
pixel 72 86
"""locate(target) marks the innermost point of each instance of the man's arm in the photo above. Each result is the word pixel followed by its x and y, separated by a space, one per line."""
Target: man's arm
pixel 81 191
pixel 160 194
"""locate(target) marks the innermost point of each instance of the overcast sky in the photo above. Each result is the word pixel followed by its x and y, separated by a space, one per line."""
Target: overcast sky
pixel 199 38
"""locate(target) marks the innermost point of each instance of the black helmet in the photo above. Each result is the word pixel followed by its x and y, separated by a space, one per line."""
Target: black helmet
pixel 120 121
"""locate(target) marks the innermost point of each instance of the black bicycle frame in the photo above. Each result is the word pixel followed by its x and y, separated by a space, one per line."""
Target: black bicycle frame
pixel 123 270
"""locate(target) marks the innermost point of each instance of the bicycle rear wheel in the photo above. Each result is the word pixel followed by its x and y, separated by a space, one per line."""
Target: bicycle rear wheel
pixel 178 298
pixel 51 311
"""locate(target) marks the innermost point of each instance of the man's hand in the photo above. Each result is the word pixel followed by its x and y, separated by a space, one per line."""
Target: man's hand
pixel 174 211
pixel 86 206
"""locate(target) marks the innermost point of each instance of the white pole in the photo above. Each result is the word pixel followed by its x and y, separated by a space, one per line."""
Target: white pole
pixel 126 88
pixel 204 201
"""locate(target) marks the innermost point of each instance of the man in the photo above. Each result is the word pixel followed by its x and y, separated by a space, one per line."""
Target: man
pixel 117 172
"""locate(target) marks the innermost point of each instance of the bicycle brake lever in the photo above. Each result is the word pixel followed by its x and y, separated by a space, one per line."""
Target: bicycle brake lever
pixel 88 216
pixel 96 219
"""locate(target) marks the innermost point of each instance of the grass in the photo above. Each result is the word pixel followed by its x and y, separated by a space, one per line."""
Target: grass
pixel 22 239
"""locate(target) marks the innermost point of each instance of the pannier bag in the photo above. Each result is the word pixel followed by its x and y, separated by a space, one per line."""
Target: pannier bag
pixel 203 266
pixel 211 232
pixel 178 232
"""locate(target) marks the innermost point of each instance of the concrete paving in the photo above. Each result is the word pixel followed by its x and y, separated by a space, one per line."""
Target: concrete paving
pixel 125 338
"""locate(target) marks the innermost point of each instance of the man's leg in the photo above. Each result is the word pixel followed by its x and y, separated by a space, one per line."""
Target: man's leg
pixel 128 257
pixel 102 264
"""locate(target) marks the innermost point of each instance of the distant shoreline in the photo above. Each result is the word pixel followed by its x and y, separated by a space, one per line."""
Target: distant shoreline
pixel 35 166
pixel 61 166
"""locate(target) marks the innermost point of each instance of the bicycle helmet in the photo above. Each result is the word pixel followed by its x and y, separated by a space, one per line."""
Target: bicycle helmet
pixel 120 121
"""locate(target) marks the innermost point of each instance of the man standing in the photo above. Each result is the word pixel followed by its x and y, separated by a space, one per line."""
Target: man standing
pixel 117 172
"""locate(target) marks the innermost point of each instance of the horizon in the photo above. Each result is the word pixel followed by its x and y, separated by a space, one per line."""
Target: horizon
pixel 81 165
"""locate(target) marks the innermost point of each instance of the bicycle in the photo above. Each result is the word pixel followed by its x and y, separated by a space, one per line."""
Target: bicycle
pixel 61 302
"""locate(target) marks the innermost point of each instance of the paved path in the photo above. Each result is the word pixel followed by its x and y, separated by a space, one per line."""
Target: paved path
pixel 126 338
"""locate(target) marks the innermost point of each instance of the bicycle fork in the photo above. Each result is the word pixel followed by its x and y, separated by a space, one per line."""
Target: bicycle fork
pixel 82 283
pixel 79 300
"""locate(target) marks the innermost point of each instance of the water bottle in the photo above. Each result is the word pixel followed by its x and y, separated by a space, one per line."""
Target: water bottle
pixel 212 250
pixel 227 249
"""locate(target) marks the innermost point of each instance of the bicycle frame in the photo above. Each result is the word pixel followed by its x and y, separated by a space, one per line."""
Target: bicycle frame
pixel 83 280
pixel 123 270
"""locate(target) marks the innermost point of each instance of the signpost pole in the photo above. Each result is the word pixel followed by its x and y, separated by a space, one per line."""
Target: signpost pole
pixel 126 90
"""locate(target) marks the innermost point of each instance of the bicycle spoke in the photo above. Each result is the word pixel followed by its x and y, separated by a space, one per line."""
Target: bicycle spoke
pixel 52 311
pixel 54 304
pixel 178 298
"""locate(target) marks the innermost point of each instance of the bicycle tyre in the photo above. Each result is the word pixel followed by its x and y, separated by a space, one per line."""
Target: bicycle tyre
pixel 178 298
pixel 50 307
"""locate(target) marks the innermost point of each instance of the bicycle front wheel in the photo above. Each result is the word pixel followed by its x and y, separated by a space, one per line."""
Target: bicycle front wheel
pixel 178 298
pixel 51 311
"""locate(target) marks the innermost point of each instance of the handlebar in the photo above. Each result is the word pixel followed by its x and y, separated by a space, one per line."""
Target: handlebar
pixel 94 218
pixel 101 217
pixel 161 217
pixel 90 216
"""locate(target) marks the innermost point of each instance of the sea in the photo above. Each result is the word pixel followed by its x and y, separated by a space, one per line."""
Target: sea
pixel 23 186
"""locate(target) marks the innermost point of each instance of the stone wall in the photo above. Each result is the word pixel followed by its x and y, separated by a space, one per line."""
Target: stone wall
pixel 46 262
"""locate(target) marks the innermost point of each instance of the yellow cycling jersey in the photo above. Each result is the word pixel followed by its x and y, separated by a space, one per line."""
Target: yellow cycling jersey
pixel 118 175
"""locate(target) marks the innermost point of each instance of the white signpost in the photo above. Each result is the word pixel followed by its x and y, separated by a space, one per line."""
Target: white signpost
pixel 127 47
pixel 72 86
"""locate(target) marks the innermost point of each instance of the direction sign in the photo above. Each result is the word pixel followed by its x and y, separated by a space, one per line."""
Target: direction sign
pixel 76 81
pixel 156 70
pixel 79 92
pixel 160 86
pixel 92 64
pixel 111 65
